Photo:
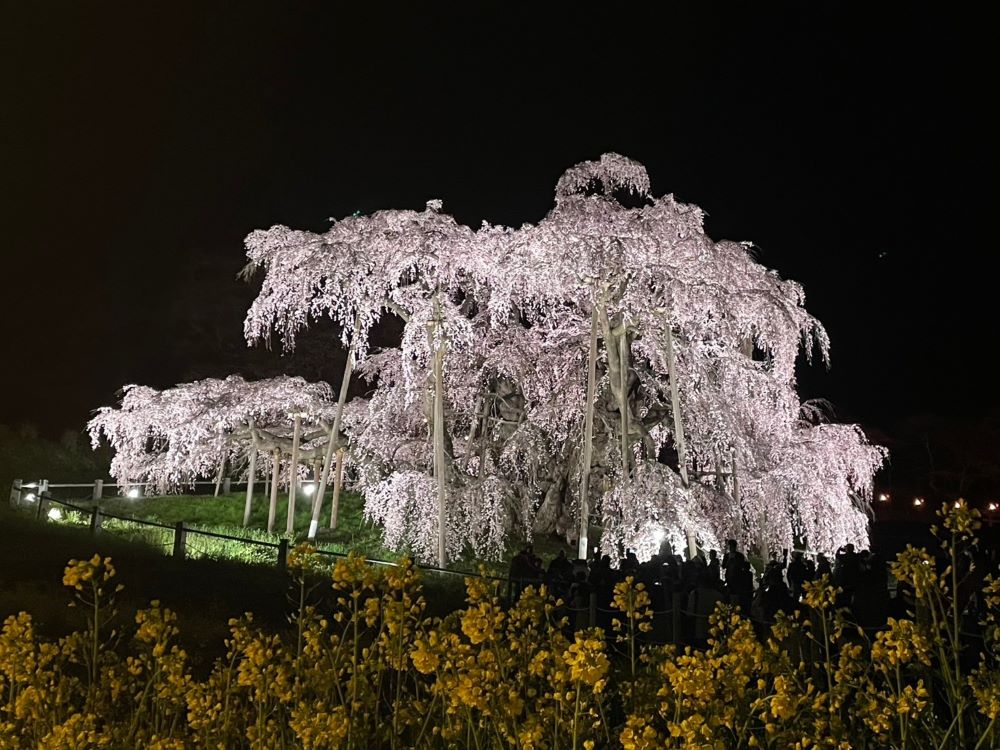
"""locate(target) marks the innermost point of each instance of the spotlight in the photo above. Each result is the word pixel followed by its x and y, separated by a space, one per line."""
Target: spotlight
pixel 991 506
pixel 883 497
pixel 133 492
pixel 55 514
pixel 308 489
pixel 918 501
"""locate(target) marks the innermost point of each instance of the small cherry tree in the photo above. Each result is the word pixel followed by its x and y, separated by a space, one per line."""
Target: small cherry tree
pixel 170 438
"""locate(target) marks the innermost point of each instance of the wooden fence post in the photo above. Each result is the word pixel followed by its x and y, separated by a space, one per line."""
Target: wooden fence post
pixel 226 483
pixel 43 486
pixel 44 500
pixel 98 489
pixel 282 554
pixel 15 493
pixel 180 540
pixel 95 520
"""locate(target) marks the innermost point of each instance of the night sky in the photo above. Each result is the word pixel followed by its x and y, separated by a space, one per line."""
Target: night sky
pixel 139 147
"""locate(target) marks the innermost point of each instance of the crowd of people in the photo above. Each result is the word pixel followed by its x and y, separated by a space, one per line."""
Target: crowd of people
pixel 698 584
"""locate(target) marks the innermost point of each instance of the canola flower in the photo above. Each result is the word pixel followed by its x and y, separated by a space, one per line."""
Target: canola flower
pixel 370 670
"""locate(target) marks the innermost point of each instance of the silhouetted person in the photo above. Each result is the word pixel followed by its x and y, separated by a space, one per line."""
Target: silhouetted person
pixel 847 568
pixel 534 563
pixel 560 569
pixel 823 566
pixel 714 568
pixel 739 586
pixel 629 564
pixel 525 570
pixel 773 595
pixel 733 559
pixel 810 569
pixel 701 604
pixel 579 600
pixel 796 574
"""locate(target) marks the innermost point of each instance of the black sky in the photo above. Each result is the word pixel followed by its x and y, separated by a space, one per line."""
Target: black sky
pixel 138 147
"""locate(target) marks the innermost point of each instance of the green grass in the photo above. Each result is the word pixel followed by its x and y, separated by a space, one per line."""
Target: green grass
pixel 219 579
pixel 204 592
pixel 224 515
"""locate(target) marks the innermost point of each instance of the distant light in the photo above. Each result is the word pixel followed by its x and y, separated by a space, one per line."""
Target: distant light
pixel 55 514
pixel 918 501
pixel 308 489
pixel 133 492
pixel 883 497
pixel 991 506
pixel 958 503
pixel 31 497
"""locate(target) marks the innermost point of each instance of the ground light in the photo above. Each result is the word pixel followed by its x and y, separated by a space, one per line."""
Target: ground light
pixel 133 492
pixel 55 514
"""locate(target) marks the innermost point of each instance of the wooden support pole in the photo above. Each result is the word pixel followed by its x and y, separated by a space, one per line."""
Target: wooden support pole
pixel 272 507
pixel 338 483
pixel 98 490
pixel 293 475
pixel 438 435
pixel 331 447
pixel 583 542
pixel 251 476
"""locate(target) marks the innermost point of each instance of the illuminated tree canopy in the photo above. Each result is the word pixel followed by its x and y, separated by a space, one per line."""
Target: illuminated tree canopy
pixel 172 437
pixel 610 364
pixel 509 312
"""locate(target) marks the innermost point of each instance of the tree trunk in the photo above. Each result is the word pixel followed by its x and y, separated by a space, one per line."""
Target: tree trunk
pixel 616 347
pixel 272 508
pixel 438 434
pixel 583 543
pixel 218 477
pixel 481 403
pixel 623 404
pixel 675 402
pixel 337 484
pixel 293 477
pixel 251 475
pixel 331 447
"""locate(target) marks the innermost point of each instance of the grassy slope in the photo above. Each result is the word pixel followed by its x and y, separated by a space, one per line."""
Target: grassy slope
pixel 205 592
pixel 225 514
